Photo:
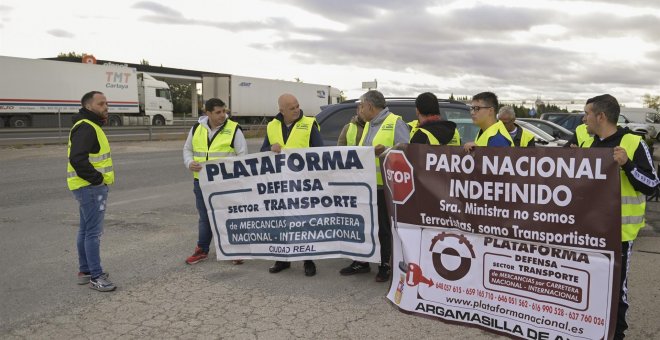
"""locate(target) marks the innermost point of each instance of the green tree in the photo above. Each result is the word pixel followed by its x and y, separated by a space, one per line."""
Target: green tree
pixel 652 101
pixel 181 94
pixel 145 62
pixel 70 55
pixel 549 108
pixel 451 96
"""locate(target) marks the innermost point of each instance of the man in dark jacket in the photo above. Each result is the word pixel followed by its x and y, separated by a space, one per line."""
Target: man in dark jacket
pixel 89 172
pixel 638 178
pixel 290 129
pixel 431 128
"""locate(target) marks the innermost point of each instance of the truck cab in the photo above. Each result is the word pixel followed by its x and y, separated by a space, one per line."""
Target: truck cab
pixel 155 100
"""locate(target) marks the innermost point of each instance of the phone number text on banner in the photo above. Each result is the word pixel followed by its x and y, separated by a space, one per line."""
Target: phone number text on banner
pixel 508 240
pixel 299 204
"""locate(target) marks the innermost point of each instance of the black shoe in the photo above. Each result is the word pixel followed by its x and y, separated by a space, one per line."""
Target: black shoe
pixel 279 266
pixel 356 268
pixel 310 268
pixel 383 273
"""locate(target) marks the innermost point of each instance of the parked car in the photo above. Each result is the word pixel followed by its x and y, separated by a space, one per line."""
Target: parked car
pixel 541 137
pixel 568 120
pixel 549 127
pixel 468 132
pixel 332 118
pixel 571 120
pixel 646 130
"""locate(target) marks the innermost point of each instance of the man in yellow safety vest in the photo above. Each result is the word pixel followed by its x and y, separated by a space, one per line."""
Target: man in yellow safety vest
pixel 213 136
pixel 288 130
pixel 383 129
pixel 638 178
pixel 521 137
pixel 492 132
pixel 431 129
pixel 89 172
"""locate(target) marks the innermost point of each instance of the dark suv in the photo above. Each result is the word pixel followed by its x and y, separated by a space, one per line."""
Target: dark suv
pixel 568 120
pixel 332 118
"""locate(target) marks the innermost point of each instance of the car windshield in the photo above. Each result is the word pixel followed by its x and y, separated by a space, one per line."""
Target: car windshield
pixel 537 131
pixel 466 129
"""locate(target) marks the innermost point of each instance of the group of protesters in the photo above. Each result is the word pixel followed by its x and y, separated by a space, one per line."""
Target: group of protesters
pixel 214 136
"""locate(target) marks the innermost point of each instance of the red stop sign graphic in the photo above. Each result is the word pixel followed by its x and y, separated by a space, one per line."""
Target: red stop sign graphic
pixel 398 176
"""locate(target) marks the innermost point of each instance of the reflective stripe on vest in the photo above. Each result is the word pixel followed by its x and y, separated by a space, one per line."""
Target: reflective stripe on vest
pixel 455 140
pixel 220 146
pixel 483 137
pixel 633 203
pixel 384 136
pixel 351 134
pixel 298 137
pixel 525 138
pixel 582 135
pixel 101 161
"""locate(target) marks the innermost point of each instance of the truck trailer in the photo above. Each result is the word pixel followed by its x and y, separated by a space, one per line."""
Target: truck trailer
pixel 254 100
pixel 46 93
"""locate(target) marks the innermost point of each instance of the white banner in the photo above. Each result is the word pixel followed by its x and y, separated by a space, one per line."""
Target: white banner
pixel 300 204
pixel 526 289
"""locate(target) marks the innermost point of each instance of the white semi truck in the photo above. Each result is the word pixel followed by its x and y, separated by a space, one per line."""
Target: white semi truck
pixel 254 100
pixel 45 93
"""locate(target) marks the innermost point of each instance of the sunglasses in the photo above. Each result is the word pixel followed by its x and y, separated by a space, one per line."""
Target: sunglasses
pixel 477 108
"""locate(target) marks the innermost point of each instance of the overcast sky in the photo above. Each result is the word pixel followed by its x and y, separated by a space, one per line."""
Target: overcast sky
pixel 555 49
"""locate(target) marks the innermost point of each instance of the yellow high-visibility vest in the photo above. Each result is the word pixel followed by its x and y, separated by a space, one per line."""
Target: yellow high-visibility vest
pixel 101 161
pixel 455 140
pixel 483 137
pixel 633 203
pixel 384 136
pixel 351 134
pixel 298 137
pixel 220 146
pixel 582 135
pixel 525 137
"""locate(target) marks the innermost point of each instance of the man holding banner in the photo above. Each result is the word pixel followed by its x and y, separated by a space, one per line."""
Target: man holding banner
pixel 638 178
pixel 383 129
pixel 290 129
pixel 214 136
pixel 493 132
pixel 431 129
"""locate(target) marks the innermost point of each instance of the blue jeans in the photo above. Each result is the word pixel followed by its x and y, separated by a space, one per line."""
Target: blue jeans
pixel 204 226
pixel 92 201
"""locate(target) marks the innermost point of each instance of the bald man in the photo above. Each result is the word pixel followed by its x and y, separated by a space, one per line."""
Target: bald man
pixel 289 130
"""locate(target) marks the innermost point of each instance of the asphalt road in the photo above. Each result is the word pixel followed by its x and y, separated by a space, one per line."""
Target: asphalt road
pixel 151 228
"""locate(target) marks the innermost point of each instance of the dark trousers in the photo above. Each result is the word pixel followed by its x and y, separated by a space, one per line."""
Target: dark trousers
pixel 384 229
pixel 621 324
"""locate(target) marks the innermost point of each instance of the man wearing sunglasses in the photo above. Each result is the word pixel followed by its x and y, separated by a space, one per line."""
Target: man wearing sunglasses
pixel 492 132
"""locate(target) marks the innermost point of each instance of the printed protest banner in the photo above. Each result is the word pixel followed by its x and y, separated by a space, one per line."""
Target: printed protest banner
pixel 524 242
pixel 300 204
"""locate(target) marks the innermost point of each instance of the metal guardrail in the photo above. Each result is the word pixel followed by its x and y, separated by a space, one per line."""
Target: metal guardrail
pixel 31 136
